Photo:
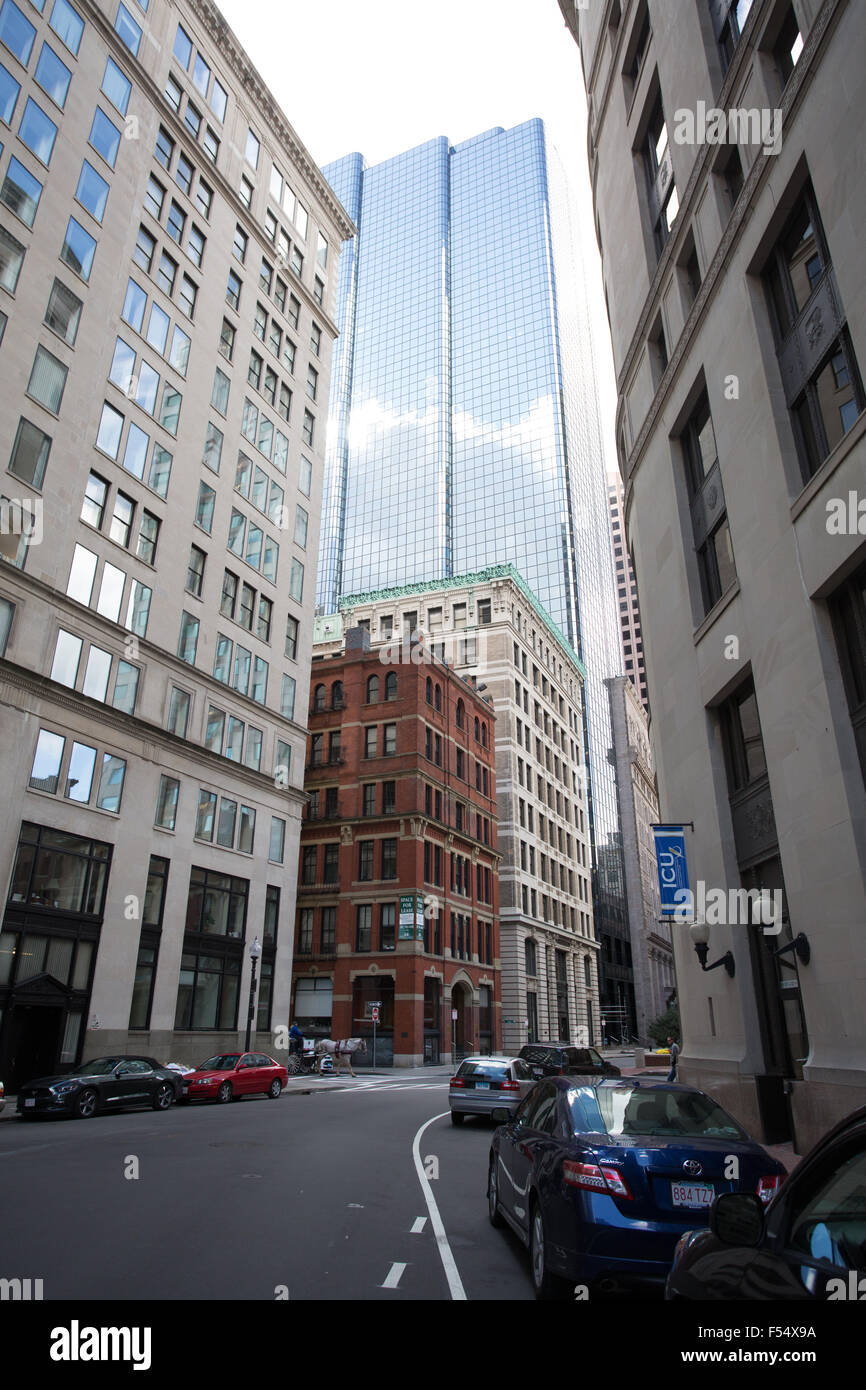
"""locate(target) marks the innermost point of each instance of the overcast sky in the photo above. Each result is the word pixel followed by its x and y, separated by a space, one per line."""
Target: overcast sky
pixel 380 76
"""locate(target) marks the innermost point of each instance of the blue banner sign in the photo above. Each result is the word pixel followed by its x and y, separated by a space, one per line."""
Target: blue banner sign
pixel 672 867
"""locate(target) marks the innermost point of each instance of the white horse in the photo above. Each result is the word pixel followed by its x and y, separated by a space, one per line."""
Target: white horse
pixel 341 1051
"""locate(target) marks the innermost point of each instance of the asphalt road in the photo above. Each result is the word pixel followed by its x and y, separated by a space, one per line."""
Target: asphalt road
pixel 310 1197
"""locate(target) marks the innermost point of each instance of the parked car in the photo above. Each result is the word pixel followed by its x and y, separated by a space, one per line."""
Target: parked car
pixel 106 1083
pixel 809 1243
pixel 233 1075
pixel 487 1085
pixel 600 1179
pixel 561 1059
pixel 2 1096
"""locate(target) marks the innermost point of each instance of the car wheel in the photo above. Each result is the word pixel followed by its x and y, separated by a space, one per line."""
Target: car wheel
pixel 85 1105
pixel 493 1196
pixel 546 1285
pixel 275 1088
pixel 163 1097
pixel 457 1119
pixel 224 1094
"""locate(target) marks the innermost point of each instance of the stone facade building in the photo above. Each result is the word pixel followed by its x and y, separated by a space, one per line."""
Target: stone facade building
pixel 493 632
pixel 168 256
pixel 626 594
pixel 398 886
pixel 651 946
pixel 725 152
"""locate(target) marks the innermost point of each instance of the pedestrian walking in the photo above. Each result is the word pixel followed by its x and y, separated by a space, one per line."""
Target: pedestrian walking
pixel 675 1052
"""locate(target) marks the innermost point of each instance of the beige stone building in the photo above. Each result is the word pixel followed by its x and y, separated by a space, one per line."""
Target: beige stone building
pixel 168 256
pixel 494 632
pixel 626 593
pixel 725 152
pixel 650 936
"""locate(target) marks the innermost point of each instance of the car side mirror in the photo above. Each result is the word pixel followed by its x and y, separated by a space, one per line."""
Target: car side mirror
pixel 122 1071
pixel 737 1218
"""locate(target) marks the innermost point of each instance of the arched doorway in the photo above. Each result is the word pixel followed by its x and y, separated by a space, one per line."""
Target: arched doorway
pixel 462 1027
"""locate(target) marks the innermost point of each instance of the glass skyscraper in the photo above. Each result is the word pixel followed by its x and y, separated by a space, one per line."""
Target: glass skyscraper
pixel 464 426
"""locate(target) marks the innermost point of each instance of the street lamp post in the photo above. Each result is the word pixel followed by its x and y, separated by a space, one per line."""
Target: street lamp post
pixel 255 952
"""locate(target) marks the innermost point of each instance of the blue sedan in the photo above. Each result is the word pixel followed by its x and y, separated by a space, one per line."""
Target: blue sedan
pixel 601 1178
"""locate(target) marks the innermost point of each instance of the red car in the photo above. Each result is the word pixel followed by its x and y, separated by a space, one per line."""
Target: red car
pixel 232 1075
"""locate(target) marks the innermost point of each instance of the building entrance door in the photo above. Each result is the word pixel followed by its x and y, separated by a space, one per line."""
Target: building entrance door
pixel 32 1048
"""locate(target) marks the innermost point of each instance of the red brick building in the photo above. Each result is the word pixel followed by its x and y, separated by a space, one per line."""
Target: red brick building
pixel 398 883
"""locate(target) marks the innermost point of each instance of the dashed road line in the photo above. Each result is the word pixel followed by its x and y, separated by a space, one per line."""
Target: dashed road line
pixel 418 1225
pixel 393 1277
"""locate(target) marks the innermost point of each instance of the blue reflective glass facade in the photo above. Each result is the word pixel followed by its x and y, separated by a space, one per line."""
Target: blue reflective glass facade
pixel 464 424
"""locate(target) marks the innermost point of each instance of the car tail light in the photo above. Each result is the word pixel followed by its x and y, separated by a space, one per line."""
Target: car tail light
pixel 768 1187
pixel 509 1085
pixel 457 1081
pixel 596 1178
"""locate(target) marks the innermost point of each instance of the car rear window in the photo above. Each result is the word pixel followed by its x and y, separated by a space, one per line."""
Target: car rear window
pixel 633 1110
pixel 491 1071
pixel 536 1054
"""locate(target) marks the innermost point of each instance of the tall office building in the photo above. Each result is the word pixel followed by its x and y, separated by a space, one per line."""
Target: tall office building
pixel 168 261
pixel 626 593
pixel 725 143
pixel 464 425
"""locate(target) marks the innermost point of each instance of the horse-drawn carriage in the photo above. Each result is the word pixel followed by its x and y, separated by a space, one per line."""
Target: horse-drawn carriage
pixel 319 1056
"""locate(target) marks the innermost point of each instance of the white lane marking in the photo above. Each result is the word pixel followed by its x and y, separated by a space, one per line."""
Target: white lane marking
pixel 455 1284
pixel 393 1277
pixel 418 1225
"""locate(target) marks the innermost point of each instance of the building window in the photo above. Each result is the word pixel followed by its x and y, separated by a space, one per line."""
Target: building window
pixel 711 532
pixel 365 860
pixel 730 18
pixel 389 858
pixel 663 197
pixel 821 378
pixel 364 928
pixel 743 743
pixel 387 928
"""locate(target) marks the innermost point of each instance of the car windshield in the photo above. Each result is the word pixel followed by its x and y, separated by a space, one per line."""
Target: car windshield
pixel 632 1110
pixel 223 1063
pixel 100 1066
pixel 491 1071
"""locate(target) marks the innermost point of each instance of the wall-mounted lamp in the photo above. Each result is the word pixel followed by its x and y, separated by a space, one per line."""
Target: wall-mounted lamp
pixel 700 934
pixel 800 946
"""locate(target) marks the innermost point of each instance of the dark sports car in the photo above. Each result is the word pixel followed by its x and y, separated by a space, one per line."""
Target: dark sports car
pixel 106 1083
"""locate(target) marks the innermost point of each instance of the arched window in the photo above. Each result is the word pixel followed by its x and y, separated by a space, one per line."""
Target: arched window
pixel 437 697
pixel 337 695
pixel 391 686
pixel 529 948
pixel 460 712
pixel 477 730
pixel 428 691
pixel 483 735
pixel 319 698
pixel 372 690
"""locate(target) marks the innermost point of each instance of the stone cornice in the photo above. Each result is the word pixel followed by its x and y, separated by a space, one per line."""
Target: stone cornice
pixel 153 739
pixel 757 177
pixel 238 61
pixel 348 602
